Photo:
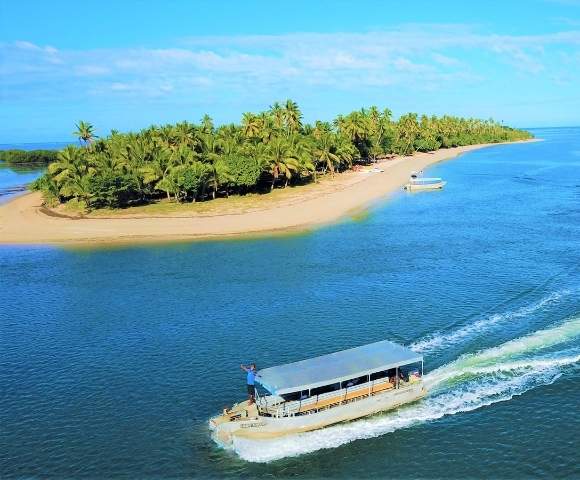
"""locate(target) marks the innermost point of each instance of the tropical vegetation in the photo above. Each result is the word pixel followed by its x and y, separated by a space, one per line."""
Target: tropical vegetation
pixel 189 162
pixel 25 157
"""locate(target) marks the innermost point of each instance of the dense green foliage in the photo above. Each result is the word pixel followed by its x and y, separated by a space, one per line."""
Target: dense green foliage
pixel 189 162
pixel 20 157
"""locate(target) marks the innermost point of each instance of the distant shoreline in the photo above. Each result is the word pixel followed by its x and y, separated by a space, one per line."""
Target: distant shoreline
pixel 24 220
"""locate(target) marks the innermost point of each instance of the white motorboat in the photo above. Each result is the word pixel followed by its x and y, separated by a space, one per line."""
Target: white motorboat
pixel 418 182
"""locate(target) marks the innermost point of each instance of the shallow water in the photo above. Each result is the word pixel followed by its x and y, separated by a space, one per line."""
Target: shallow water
pixel 13 180
pixel 112 360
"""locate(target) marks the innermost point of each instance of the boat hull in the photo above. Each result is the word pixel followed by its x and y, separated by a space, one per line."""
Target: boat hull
pixel 263 428
pixel 432 186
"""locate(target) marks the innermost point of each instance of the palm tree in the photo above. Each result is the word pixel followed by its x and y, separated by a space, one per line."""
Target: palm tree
pixel 320 129
pixel 303 147
pixel 324 153
pixel 78 186
pixel 185 134
pixel 355 126
pixel 251 125
pixel 280 160
pixel 346 151
pixel 71 174
pixel 207 124
pixel 218 175
pixel 267 130
pixel 113 163
pixel 227 144
pixel 69 159
pixel 407 132
pixel 277 113
pixel 166 135
pixel 85 133
pixel 210 146
pixel 292 117
pixel 168 185
pixel 185 160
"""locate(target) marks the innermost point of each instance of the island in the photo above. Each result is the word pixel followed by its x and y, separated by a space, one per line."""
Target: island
pixel 270 173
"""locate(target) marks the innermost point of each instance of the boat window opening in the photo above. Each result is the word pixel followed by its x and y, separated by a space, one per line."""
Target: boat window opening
pixel 379 375
pixel 325 389
pixel 390 374
pixel 411 372
pixel 291 397
pixel 354 381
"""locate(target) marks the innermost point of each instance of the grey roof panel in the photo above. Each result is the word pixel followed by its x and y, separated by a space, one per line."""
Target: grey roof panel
pixel 335 367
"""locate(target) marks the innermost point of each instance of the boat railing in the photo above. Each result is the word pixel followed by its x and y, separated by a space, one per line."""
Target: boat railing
pixel 268 403
pixel 330 399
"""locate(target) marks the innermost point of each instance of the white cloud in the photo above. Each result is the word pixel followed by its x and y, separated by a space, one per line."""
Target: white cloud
pixel 92 70
pixel 27 46
pixel 402 64
pixel 445 60
pixel 418 56
pixel 526 62
pixel 121 87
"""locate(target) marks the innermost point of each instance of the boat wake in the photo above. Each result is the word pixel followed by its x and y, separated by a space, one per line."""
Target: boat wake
pixel 470 382
pixel 439 341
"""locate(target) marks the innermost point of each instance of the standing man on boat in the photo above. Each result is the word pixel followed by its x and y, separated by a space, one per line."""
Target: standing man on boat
pixel 252 374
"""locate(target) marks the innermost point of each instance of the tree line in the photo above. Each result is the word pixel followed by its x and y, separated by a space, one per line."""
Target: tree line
pixel 188 162
pixel 28 157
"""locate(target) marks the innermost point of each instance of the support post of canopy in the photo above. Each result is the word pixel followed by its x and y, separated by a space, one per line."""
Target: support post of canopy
pixel 258 400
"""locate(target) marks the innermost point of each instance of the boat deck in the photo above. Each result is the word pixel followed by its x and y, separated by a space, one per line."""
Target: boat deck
pixel 277 407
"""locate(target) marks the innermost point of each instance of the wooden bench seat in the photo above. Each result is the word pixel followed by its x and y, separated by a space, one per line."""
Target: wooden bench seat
pixel 349 396
pixel 382 386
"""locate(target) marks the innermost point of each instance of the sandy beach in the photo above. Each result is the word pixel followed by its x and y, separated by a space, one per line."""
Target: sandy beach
pixel 24 221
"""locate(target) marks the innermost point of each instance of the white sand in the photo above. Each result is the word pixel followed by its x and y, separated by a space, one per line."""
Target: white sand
pixel 23 222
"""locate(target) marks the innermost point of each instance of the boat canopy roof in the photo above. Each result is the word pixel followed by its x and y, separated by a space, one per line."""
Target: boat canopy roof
pixel 335 367
pixel 426 180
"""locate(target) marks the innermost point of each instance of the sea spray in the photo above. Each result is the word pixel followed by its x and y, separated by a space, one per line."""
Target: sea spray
pixel 472 381
pixel 439 340
pixel 541 339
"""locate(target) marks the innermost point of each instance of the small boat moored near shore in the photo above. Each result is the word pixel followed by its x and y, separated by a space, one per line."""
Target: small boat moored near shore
pixel 417 182
pixel 321 391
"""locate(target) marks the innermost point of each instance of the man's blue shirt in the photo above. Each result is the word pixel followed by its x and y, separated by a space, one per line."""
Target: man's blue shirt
pixel 251 377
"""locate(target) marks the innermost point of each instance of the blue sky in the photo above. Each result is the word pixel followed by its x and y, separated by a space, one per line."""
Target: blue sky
pixel 126 65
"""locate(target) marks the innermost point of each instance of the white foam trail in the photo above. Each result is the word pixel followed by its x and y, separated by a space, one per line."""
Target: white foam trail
pixel 445 374
pixel 438 340
pixel 466 384
pixel 541 339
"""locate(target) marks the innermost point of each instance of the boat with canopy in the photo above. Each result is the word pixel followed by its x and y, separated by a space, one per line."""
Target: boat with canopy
pixel 317 392
pixel 418 182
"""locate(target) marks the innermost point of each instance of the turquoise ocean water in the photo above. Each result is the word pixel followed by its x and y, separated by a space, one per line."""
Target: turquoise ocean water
pixel 112 360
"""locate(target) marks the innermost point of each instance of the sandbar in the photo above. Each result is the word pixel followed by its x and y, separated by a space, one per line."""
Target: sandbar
pixel 24 220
